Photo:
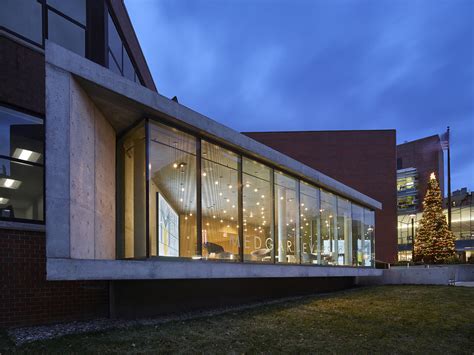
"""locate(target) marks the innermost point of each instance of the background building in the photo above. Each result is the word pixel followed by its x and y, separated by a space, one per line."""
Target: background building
pixel 365 160
pixel 416 160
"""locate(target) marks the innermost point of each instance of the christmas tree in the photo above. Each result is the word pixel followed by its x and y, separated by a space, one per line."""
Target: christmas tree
pixel 434 242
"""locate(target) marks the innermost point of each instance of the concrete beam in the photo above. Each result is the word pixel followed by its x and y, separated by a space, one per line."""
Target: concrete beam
pixel 124 102
pixel 70 269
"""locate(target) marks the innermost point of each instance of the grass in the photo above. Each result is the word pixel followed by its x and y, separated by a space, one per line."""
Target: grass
pixel 385 319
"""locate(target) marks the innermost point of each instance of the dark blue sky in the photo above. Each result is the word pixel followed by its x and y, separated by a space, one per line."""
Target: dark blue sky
pixel 319 65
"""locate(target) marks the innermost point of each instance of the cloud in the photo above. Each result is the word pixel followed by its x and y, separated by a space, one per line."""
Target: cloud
pixel 315 65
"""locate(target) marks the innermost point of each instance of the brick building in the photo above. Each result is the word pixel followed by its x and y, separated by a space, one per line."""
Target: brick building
pixel 115 200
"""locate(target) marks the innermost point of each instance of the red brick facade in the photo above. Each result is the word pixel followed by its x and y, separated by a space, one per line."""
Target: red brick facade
pixel 426 155
pixel 27 298
pixel 363 160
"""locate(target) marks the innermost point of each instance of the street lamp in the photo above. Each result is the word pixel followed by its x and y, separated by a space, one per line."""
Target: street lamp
pixel 412 216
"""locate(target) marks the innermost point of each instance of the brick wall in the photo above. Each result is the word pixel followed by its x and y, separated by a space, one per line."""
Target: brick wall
pixel 364 160
pixel 27 298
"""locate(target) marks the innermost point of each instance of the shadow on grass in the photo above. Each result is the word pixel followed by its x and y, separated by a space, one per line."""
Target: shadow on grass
pixel 384 319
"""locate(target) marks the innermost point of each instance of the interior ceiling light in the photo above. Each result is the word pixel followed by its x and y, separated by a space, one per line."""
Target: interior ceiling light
pixel 26 155
pixel 10 183
pixel 4 200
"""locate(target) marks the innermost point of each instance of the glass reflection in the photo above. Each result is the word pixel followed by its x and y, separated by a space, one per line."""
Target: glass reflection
pixel 344 232
pixel 131 164
pixel 220 225
pixel 257 211
pixel 357 234
pixel 286 218
pixel 172 192
pixel 329 252
pixel 368 238
pixel 310 223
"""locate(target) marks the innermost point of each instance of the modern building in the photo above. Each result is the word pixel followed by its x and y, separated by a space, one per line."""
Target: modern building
pixel 363 159
pixel 416 160
pixel 462 225
pixel 117 201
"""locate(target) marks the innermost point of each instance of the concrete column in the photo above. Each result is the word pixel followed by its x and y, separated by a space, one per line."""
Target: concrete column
pixel 57 137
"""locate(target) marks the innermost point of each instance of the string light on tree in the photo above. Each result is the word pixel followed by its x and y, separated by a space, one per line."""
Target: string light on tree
pixel 434 242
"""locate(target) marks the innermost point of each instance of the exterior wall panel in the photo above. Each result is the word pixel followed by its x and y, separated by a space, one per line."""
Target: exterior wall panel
pixel 22 76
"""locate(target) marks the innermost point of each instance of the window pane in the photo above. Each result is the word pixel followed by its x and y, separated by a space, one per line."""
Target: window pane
pixel 310 224
pixel 21 190
pixel 368 238
pixel 21 136
pixel 173 229
pixel 23 17
pixel 75 9
pixel 128 69
pixel 131 169
pixel 115 43
pixel 113 64
pixel 220 237
pixel 66 34
pixel 328 227
pixel 344 232
pixel 286 215
pixel 357 234
pixel 257 211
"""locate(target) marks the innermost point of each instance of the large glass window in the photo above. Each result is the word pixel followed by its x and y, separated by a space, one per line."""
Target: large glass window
pixel 21 166
pixel 329 252
pixel 344 232
pixel 132 194
pixel 119 58
pixel 67 24
pixel 310 224
pixel 357 234
pixel 287 218
pixel 206 201
pixel 75 9
pixel 172 189
pixel 220 226
pixel 257 211
pixel 368 238
pixel 23 17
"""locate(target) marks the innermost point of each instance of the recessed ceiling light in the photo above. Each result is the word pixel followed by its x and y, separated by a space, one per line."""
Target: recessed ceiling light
pixel 10 183
pixel 26 155
pixel 4 200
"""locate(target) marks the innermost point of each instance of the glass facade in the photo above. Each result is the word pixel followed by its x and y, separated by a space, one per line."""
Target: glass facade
pixel 220 218
pixel 21 166
pixel 257 211
pixel 462 225
pixel 182 196
pixel 118 56
pixel 172 192
pixel 287 241
pixel 310 222
pixel 24 18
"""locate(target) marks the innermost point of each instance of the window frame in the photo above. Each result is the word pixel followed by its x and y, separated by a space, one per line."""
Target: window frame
pixel 241 154
pixel 39 165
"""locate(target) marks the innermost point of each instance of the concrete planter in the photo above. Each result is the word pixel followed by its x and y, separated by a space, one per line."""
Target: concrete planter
pixel 422 275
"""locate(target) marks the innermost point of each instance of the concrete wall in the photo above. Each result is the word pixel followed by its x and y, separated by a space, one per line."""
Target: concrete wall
pixel 80 173
pixel 419 275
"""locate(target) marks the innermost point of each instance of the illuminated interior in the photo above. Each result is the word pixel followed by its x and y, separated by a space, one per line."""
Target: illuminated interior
pixel 185 197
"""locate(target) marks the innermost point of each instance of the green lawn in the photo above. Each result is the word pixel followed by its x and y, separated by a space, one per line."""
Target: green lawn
pixel 386 319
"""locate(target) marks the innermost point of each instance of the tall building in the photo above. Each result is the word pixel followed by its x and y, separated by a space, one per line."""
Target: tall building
pixel 115 200
pixel 416 160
